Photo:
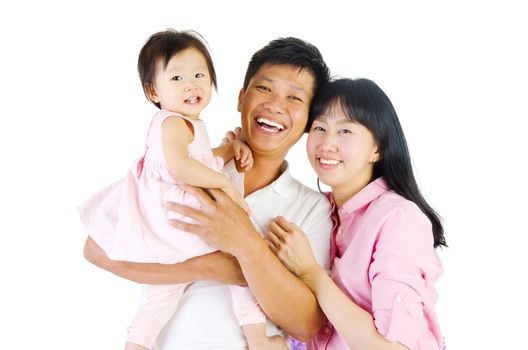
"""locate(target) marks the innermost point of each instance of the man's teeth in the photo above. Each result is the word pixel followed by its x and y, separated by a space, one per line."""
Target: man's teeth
pixel 329 161
pixel 270 123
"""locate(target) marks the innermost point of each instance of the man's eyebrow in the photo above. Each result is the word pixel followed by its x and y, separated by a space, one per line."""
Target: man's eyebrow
pixel 295 87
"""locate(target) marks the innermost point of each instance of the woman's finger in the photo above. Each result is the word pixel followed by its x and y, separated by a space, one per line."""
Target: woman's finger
pixel 273 239
pixel 271 246
pixel 278 231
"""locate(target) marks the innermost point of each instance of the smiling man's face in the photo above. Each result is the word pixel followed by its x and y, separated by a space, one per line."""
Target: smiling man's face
pixel 274 109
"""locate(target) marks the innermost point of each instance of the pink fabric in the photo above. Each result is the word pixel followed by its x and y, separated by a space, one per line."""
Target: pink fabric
pixel 385 262
pixel 129 221
pixel 160 305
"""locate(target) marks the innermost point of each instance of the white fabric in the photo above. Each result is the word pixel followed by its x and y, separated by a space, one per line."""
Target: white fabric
pixel 205 318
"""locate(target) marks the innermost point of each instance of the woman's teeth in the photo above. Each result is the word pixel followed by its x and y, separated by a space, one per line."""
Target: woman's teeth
pixel 329 161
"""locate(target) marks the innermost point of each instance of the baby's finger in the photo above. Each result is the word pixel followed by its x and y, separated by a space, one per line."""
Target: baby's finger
pixel 230 136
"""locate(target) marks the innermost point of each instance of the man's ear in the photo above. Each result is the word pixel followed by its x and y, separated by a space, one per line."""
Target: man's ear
pixel 240 99
pixel 150 91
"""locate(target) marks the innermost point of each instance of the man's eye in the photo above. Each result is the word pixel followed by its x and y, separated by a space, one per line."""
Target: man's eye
pixel 262 88
pixel 199 75
pixel 295 98
pixel 177 77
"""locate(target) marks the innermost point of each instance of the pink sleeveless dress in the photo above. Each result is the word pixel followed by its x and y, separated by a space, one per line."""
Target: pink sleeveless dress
pixel 129 220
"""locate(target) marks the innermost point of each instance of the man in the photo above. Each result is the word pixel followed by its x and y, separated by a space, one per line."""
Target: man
pixel 281 81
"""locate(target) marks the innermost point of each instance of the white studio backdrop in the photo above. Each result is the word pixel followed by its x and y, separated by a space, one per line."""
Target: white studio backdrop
pixel 73 117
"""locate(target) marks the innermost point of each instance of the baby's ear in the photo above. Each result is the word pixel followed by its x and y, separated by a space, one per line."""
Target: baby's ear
pixel 150 91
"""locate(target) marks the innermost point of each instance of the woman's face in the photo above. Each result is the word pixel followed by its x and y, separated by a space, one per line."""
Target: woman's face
pixel 341 151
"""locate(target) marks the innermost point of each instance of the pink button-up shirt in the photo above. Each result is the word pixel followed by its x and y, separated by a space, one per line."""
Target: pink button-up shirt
pixel 384 260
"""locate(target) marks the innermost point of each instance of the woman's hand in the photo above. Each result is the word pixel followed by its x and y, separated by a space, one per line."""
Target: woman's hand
pixel 292 247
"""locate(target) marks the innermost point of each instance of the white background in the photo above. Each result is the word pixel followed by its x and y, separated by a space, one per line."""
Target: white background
pixel 73 117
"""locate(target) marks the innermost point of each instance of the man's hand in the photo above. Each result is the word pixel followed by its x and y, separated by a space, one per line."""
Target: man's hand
pixel 220 221
pixel 216 266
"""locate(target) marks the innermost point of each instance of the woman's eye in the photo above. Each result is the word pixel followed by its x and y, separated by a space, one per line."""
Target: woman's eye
pixel 177 77
pixel 345 131
pixel 318 129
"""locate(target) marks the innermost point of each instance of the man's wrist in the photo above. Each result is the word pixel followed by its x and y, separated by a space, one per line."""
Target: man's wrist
pixel 251 247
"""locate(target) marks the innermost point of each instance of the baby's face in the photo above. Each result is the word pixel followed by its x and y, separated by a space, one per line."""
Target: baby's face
pixel 184 85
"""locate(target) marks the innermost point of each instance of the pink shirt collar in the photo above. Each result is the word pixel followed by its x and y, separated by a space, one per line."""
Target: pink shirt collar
pixel 369 193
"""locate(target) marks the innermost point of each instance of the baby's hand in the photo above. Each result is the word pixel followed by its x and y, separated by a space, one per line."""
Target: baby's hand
pixel 231 135
pixel 243 154
pixel 237 198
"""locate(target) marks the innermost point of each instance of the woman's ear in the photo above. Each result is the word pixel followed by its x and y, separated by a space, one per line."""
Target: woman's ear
pixel 150 91
pixel 376 154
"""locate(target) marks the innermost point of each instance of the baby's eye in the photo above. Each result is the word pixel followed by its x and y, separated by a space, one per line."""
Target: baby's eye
pixel 177 77
pixel 199 75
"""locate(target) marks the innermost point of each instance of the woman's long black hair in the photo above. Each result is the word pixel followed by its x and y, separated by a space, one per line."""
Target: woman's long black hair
pixel 365 103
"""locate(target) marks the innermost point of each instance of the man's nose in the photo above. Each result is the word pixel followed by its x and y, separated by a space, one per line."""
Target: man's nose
pixel 276 104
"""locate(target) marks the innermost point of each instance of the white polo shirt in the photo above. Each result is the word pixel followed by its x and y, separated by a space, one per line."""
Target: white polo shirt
pixel 205 319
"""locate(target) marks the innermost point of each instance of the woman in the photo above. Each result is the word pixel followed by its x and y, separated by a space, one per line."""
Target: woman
pixel 380 294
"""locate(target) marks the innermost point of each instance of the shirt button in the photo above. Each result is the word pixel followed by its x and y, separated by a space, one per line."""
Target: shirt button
pixel 398 299
pixel 327 330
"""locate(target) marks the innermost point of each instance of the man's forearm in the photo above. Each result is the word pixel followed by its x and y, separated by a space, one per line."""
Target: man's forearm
pixel 148 273
pixel 286 300
pixel 216 266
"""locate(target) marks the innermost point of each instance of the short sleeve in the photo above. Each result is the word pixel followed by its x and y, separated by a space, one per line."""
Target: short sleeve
pixel 398 275
pixel 318 230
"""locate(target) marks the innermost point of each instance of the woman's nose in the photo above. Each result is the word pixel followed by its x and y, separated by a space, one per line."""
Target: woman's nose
pixel 328 142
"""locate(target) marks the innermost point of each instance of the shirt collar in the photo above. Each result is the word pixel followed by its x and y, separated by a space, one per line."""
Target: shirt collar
pixel 284 185
pixel 369 193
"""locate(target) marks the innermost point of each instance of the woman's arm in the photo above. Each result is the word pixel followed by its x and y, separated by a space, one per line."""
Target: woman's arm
pixel 343 312
pixel 292 247
pixel 216 266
